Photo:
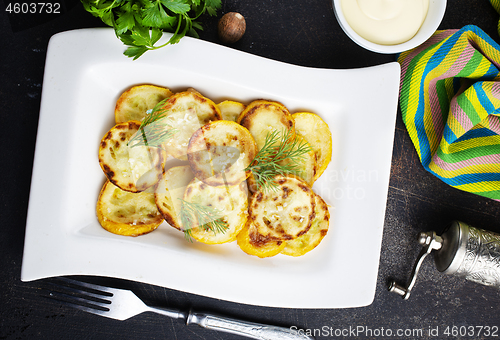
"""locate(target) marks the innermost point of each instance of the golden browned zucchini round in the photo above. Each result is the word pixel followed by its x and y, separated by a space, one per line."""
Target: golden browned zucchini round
pixel 125 213
pixel 170 190
pixel 318 134
pixel 231 204
pixel 253 243
pixel 187 112
pixel 131 168
pixel 230 110
pixel 319 227
pixel 286 212
pixel 219 152
pixel 262 117
pixel 136 101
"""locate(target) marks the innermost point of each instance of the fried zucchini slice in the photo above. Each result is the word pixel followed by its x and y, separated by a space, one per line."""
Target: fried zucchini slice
pixel 307 166
pixel 253 243
pixel 319 227
pixel 170 190
pixel 219 152
pixel 262 117
pixel 187 112
pixel 230 110
pixel 125 213
pixel 131 168
pixel 135 102
pixel 231 204
pixel 318 134
pixel 285 213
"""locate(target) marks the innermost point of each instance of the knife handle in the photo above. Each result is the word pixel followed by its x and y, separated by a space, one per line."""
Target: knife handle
pixel 244 328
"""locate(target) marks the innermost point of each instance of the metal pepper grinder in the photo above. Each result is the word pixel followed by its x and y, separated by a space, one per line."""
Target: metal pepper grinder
pixel 461 250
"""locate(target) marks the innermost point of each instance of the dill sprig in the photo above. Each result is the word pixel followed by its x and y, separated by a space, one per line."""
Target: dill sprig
pixel 206 217
pixel 155 129
pixel 282 154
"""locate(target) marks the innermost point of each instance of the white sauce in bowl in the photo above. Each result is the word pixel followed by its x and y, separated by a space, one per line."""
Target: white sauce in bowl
pixel 385 22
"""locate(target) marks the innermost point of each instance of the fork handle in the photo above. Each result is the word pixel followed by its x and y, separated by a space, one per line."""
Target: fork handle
pixel 244 328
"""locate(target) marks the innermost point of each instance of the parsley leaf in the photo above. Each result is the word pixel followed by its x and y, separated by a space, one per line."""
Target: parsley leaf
pixel 139 24
pixel 213 3
pixel 135 51
pixel 152 15
pixel 176 6
pixel 124 22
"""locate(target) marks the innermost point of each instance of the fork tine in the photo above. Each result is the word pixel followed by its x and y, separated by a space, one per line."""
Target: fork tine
pixel 82 292
pixel 62 297
pixel 106 291
pixel 100 304
pixel 85 309
pixel 115 303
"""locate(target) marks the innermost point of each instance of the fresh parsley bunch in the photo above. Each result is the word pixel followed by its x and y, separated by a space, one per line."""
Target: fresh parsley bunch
pixel 139 24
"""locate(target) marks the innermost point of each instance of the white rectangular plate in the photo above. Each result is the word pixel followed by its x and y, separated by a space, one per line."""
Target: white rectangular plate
pixel 84 75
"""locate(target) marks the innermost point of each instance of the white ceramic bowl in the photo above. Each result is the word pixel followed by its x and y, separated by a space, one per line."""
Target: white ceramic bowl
pixel 429 26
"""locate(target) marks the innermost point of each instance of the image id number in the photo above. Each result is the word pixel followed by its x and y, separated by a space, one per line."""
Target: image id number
pixel 33 8
pixel 485 331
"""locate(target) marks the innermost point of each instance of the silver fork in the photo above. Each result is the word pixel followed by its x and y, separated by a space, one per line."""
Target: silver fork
pixel 122 304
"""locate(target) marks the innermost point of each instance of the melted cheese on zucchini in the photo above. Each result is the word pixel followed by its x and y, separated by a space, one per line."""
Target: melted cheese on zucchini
pixel 134 168
pixel 133 162
pixel 318 134
pixel 125 213
pixel 307 166
pixel 187 111
pixel 135 102
pixel 170 190
pixel 230 202
pixel 219 152
pixel 285 213
pixel 319 227
pixel 262 117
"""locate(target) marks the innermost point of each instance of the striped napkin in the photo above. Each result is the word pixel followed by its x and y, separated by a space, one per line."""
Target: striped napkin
pixel 450 103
